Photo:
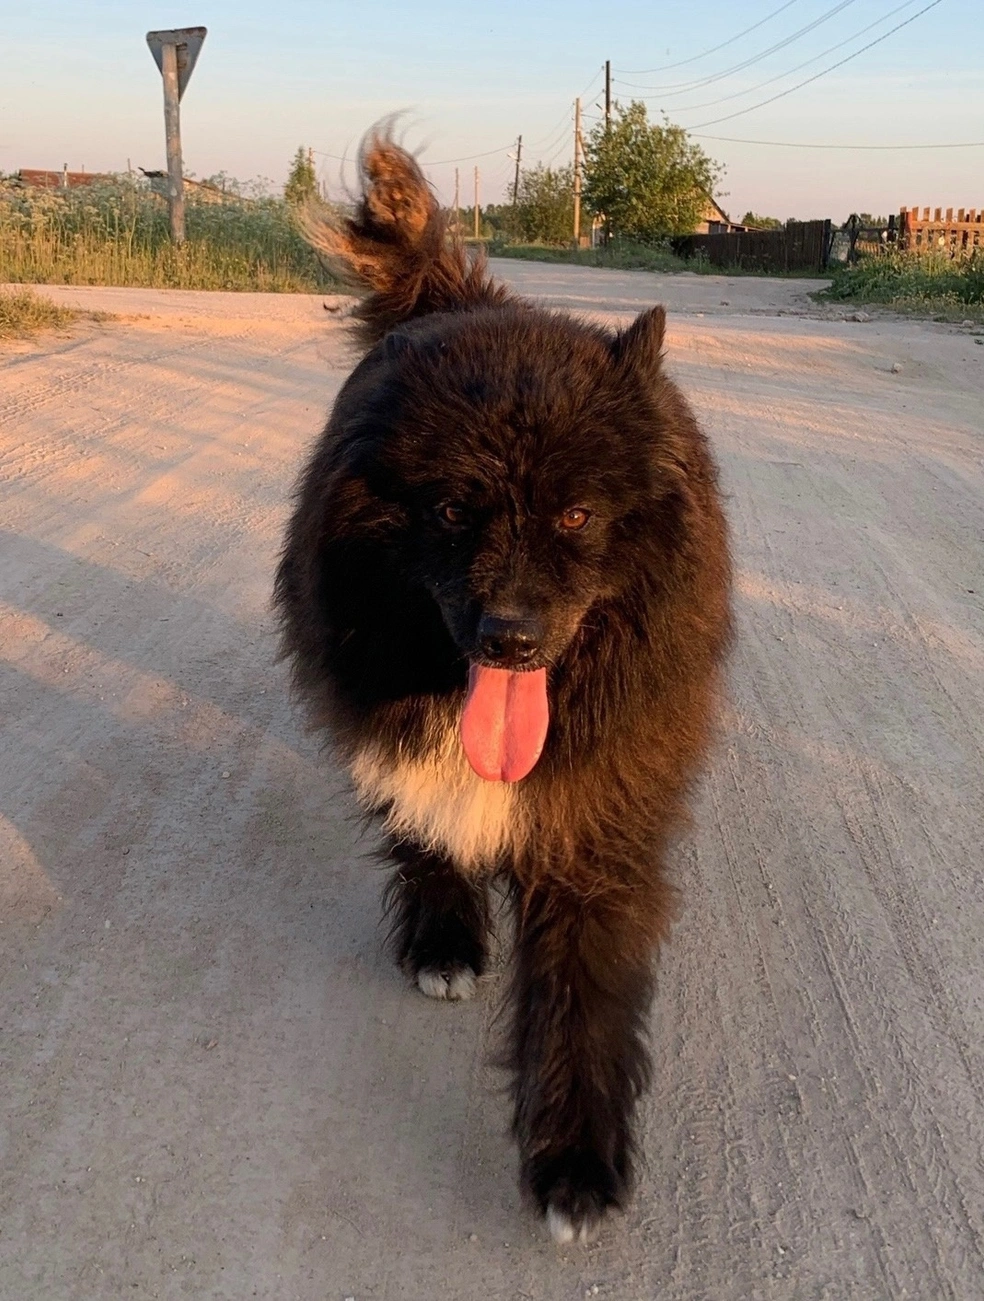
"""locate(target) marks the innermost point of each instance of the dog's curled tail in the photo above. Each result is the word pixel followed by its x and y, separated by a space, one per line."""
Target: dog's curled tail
pixel 397 245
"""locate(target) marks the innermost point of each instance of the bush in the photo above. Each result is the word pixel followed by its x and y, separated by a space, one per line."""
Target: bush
pixel 24 312
pixel 911 279
pixel 619 255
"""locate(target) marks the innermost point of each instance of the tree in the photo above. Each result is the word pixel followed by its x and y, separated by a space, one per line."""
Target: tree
pixel 302 184
pixel 544 210
pixel 761 223
pixel 649 181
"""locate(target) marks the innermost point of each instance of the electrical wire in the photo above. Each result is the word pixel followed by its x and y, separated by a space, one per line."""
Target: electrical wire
pixel 559 137
pixel 817 75
pixel 440 162
pixel 430 162
pixel 750 90
pixel 665 67
pixel 796 144
pixel 682 86
pixel 599 73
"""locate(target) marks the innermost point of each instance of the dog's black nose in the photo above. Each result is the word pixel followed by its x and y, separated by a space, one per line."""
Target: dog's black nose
pixel 509 641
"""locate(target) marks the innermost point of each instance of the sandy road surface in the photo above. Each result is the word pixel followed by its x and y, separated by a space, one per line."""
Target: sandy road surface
pixel 214 1084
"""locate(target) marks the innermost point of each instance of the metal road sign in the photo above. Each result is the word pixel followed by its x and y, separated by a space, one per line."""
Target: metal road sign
pixel 188 41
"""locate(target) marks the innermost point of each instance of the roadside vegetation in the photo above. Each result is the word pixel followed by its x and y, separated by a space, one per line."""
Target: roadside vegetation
pixel 23 312
pixel 928 283
pixel 117 233
pixel 620 255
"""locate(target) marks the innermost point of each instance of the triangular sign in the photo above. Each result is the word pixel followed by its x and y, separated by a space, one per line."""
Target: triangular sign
pixel 189 43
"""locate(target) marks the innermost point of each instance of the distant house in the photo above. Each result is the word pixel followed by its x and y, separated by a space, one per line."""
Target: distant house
pixel 204 190
pixel 715 221
pixel 39 178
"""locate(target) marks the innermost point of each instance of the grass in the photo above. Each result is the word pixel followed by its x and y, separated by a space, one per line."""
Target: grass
pixel 23 312
pixel 118 234
pixel 926 283
pixel 619 255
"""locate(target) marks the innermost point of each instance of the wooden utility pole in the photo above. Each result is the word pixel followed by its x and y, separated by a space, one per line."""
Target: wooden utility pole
pixel 172 135
pixel 457 204
pixel 577 173
pixel 608 130
pixel 477 229
pixel 519 154
pixel 175 53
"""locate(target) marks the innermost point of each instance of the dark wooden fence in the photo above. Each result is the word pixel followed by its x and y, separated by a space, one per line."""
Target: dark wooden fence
pixel 797 246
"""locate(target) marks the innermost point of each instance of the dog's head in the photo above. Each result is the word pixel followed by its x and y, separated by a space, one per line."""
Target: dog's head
pixel 512 464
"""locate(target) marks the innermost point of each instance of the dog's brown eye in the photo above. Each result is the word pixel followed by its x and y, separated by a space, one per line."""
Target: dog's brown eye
pixel 575 518
pixel 453 513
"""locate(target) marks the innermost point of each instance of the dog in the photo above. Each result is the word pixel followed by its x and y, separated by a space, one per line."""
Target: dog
pixel 505 593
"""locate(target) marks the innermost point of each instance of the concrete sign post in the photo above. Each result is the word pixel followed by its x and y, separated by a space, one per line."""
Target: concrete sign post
pixel 175 53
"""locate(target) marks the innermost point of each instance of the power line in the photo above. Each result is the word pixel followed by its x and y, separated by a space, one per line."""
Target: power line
pixel 431 162
pixel 682 86
pixel 796 144
pixel 600 73
pixel 439 162
pixel 750 90
pixel 559 125
pixel 665 67
pixel 560 137
pixel 817 75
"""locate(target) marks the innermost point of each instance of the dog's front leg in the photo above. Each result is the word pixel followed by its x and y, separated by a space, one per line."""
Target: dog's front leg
pixel 582 986
pixel 440 920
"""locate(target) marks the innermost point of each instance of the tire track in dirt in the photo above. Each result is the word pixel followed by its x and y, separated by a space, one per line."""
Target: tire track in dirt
pixel 209 1058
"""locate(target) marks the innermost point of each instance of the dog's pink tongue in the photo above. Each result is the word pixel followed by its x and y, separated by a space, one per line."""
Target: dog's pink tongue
pixel 504 724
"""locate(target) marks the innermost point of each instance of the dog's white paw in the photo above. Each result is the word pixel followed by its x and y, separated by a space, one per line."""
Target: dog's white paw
pixel 456 986
pixel 563 1229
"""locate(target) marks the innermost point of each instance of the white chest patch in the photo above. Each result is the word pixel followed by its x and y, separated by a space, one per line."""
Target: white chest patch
pixel 441 803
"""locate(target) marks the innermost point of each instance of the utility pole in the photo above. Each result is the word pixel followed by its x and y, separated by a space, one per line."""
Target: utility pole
pixel 577 173
pixel 519 154
pixel 457 205
pixel 608 131
pixel 477 230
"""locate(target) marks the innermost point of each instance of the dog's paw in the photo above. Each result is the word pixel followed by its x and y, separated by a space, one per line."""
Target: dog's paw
pixel 456 984
pixel 576 1190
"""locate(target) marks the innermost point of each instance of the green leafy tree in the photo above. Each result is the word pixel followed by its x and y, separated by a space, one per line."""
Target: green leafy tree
pixel 649 181
pixel 762 223
pixel 302 184
pixel 544 211
pixel 501 219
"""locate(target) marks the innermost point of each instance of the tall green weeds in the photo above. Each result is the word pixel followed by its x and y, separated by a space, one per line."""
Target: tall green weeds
pixel 118 234
pixel 621 255
pixel 913 281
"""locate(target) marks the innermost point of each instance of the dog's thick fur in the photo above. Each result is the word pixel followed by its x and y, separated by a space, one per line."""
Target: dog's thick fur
pixel 515 415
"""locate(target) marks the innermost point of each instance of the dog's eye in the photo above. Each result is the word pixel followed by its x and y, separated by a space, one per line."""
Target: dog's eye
pixel 453 514
pixel 575 518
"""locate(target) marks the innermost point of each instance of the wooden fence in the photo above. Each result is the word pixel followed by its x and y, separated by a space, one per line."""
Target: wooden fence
pixel 797 246
pixel 956 236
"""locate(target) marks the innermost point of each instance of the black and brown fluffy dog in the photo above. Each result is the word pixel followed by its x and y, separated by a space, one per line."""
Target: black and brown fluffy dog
pixel 505 591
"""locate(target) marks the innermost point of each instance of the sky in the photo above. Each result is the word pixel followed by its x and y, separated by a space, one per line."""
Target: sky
pixel 78 85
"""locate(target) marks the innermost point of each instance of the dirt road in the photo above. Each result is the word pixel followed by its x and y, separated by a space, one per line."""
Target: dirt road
pixel 214 1083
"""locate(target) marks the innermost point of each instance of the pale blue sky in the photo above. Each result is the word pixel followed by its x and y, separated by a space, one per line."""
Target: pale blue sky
pixel 78 86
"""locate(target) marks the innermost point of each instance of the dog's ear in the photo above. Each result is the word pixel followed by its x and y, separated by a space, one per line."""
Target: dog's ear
pixel 641 345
